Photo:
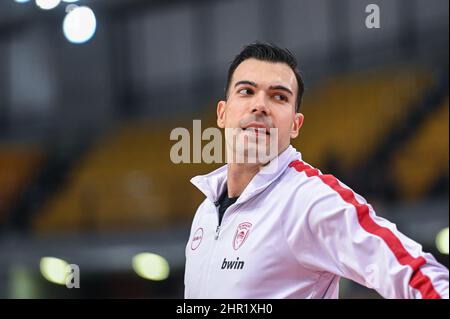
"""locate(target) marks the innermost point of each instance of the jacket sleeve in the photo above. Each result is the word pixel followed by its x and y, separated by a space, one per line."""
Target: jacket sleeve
pixel 341 234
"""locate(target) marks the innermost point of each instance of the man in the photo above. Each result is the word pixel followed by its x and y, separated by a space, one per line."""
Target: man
pixel 282 229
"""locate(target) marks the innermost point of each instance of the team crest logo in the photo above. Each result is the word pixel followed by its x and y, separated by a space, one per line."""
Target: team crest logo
pixel 241 234
pixel 197 239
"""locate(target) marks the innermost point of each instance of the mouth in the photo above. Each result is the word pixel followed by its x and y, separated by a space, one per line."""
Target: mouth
pixel 257 128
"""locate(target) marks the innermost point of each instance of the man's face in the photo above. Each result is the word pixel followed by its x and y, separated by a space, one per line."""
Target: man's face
pixel 262 97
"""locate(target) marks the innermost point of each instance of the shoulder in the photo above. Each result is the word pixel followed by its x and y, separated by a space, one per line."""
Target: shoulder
pixel 316 192
pixel 307 181
pixel 204 209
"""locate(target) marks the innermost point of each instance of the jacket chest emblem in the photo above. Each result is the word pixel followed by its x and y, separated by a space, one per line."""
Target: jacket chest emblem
pixel 241 235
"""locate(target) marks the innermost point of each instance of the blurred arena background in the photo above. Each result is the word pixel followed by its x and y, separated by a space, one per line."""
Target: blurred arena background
pixel 85 172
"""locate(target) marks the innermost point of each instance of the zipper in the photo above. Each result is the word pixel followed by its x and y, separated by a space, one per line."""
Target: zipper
pixel 219 225
pixel 217 232
pixel 213 249
pixel 211 257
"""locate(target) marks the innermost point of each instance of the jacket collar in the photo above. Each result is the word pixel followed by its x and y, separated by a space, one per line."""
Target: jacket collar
pixel 214 183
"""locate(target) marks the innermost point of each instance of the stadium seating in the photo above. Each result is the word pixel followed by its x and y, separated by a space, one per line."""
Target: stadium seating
pixel 424 158
pixel 19 164
pixel 125 181
pixel 347 116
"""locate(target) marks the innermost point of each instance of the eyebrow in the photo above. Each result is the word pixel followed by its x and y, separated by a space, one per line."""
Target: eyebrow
pixel 246 82
pixel 272 87
pixel 280 87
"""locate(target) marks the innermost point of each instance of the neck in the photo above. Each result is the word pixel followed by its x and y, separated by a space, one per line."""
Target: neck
pixel 239 176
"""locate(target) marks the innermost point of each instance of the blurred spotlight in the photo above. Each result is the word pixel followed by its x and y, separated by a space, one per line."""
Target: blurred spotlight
pixel 47 4
pixel 79 25
pixel 70 1
pixel 54 270
pixel 151 266
pixel 21 1
pixel 442 241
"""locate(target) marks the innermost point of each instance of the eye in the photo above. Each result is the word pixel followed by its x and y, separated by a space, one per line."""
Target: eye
pixel 245 91
pixel 281 97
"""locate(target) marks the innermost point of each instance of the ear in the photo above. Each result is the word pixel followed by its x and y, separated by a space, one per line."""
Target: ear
pixel 221 106
pixel 298 122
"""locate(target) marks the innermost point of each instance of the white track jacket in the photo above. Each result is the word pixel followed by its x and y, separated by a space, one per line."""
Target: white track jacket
pixel 293 233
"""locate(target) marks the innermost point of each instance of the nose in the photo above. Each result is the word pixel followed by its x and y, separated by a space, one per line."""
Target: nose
pixel 260 105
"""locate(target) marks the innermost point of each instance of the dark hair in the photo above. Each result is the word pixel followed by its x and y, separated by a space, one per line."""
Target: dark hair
pixel 271 53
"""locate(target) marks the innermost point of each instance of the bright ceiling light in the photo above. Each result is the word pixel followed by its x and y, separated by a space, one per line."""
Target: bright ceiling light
pixel 79 25
pixel 47 4
pixel 54 270
pixel 442 241
pixel 150 266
